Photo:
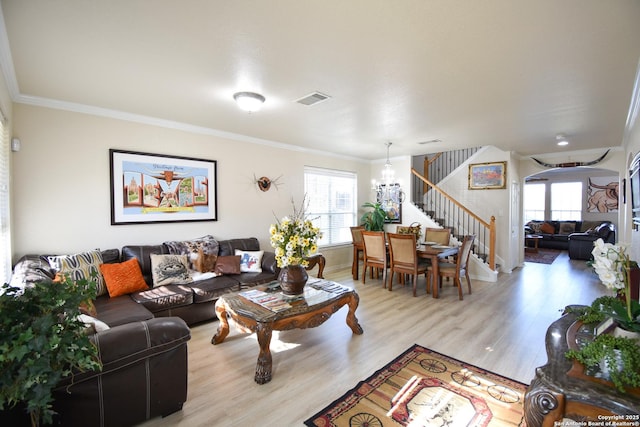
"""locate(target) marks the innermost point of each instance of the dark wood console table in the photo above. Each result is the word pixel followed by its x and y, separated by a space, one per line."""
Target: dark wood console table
pixel 560 390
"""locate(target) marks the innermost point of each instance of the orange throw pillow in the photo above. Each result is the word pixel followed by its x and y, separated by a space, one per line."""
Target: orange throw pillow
pixel 547 228
pixel 123 278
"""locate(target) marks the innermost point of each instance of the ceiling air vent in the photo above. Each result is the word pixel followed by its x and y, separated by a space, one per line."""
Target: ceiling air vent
pixel 312 98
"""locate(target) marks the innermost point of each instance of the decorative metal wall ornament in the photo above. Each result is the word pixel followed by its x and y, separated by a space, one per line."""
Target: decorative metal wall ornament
pixel 264 183
pixel 572 164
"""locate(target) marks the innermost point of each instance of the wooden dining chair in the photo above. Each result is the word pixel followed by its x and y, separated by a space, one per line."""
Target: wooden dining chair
pixel 358 249
pixel 455 271
pixel 404 259
pixel 441 236
pixel 375 254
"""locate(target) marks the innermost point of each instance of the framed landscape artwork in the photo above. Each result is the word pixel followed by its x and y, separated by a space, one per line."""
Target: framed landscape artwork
pixel 150 188
pixel 487 176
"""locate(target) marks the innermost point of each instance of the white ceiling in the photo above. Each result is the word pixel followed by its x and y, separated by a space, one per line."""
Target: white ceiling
pixel 509 73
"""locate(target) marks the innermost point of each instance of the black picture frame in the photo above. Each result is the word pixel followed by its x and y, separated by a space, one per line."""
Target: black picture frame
pixel 156 188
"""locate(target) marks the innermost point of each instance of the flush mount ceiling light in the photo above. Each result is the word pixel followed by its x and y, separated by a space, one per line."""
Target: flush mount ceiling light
pixel 562 140
pixel 249 101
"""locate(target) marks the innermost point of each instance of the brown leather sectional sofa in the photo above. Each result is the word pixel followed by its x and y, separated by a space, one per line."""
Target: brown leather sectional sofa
pixel 144 352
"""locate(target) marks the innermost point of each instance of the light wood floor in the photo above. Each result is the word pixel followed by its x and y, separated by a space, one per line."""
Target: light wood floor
pixel 500 327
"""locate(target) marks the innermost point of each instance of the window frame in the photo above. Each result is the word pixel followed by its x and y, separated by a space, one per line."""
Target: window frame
pixel 331 233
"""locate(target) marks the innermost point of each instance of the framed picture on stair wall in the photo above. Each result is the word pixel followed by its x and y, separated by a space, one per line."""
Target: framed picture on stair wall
pixel 488 176
pixel 150 188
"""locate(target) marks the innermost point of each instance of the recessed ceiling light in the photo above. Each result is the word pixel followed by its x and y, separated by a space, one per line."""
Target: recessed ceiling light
pixel 431 141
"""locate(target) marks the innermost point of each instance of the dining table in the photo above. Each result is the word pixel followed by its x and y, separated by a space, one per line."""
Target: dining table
pixel 435 253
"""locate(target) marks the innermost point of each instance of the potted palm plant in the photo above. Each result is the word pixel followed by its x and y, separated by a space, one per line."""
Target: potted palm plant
pixel 42 341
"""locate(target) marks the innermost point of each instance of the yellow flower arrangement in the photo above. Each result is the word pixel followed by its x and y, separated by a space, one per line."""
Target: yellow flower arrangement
pixel 294 238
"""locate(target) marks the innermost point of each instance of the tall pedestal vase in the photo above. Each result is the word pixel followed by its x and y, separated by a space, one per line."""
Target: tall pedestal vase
pixel 292 279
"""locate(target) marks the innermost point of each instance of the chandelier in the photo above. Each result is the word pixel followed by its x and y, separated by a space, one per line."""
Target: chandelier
pixel 388 191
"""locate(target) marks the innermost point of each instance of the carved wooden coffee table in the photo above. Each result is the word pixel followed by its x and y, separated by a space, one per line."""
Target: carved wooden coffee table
pixel 320 300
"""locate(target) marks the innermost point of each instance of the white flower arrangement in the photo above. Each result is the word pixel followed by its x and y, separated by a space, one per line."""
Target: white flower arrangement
pixel 294 238
pixel 613 266
pixel 610 263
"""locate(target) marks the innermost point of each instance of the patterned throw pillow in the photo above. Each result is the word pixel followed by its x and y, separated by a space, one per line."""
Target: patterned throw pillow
pixel 250 261
pixel 190 248
pixel 170 269
pixel 567 227
pixel 123 278
pixel 535 226
pixel 31 269
pixel 82 266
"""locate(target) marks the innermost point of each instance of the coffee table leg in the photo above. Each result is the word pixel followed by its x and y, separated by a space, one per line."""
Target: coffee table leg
pixel 223 326
pixel 263 367
pixel 352 320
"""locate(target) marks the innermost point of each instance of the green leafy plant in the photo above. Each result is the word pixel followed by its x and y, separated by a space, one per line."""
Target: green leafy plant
pixel 621 356
pixel 42 341
pixel 607 306
pixel 374 219
pixel 586 314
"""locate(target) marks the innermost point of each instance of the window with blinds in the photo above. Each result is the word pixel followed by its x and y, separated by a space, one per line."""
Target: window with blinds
pixel 5 231
pixel 332 197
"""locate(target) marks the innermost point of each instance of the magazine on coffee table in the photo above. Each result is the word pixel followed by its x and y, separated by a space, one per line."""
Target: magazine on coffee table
pixel 269 300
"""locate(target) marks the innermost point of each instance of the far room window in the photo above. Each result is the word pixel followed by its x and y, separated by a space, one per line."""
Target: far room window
pixel 332 197
pixel 534 201
pixel 566 201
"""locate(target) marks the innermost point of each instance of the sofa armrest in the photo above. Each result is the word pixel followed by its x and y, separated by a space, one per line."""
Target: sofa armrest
pixel 131 342
pixel 319 260
pixel 144 375
pixel 269 263
pixel 583 237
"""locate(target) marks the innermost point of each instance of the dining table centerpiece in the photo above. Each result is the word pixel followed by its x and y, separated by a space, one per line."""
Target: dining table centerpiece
pixel 294 238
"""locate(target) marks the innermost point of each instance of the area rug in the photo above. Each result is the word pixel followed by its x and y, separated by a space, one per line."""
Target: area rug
pixel 424 388
pixel 543 256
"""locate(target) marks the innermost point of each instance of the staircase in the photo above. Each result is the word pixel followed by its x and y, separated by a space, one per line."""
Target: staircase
pixel 448 212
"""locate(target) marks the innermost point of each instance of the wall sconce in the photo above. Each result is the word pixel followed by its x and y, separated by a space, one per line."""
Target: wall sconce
pixel 249 101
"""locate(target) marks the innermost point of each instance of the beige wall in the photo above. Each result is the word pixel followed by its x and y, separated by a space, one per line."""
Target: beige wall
pixel 61 200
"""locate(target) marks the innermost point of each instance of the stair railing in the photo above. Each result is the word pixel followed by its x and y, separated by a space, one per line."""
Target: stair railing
pixel 454 215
